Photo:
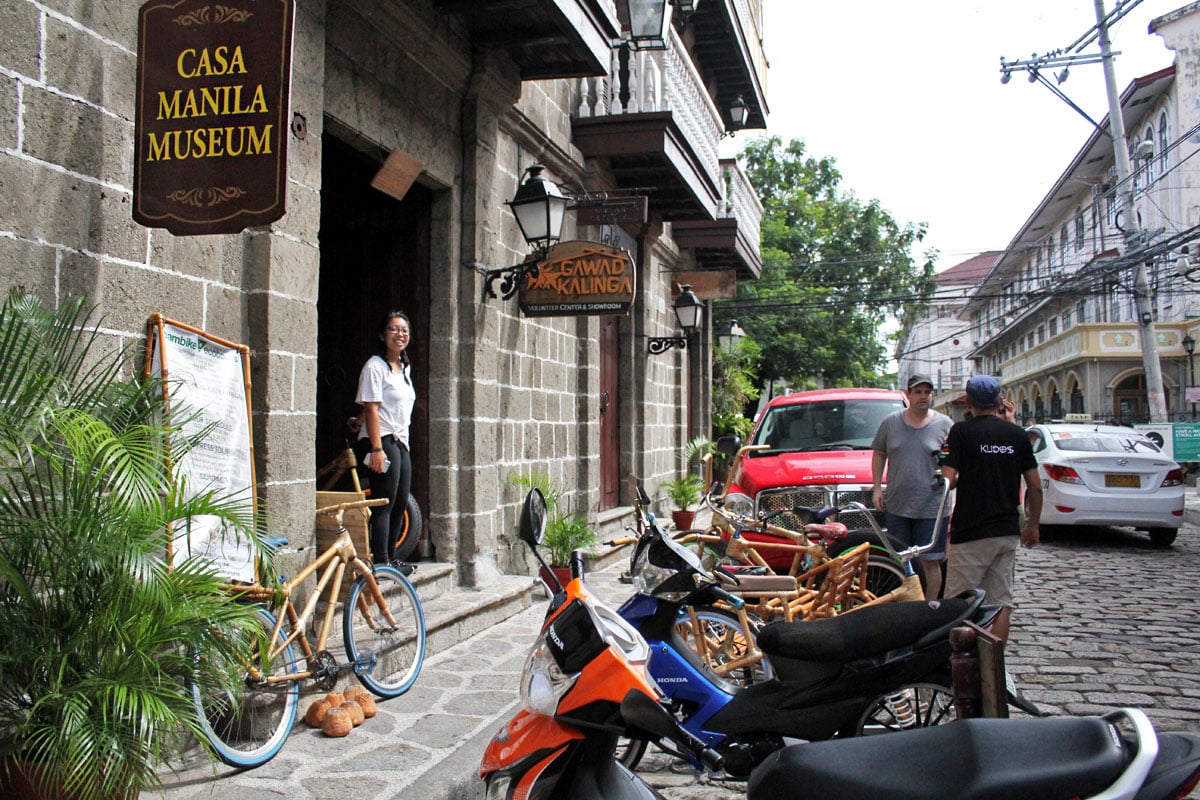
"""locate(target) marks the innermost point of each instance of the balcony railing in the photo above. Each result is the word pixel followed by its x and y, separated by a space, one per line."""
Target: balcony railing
pixel 657 81
pixel 740 200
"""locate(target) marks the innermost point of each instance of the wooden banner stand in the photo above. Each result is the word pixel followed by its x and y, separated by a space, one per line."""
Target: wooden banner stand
pixel 211 376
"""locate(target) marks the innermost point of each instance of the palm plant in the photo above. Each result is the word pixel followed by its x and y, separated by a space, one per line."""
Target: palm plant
pixel 565 531
pixel 98 634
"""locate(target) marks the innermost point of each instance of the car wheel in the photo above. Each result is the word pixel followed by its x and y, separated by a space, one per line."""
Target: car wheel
pixel 1163 537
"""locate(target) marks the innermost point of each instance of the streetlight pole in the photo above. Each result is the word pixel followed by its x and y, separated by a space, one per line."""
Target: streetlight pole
pixel 1189 346
pixel 1133 232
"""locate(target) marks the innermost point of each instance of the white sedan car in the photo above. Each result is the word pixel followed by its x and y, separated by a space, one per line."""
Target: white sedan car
pixel 1107 475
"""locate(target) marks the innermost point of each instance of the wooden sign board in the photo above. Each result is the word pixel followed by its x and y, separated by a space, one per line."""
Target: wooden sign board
pixel 206 380
pixel 709 284
pixel 579 278
pixel 626 210
pixel 211 126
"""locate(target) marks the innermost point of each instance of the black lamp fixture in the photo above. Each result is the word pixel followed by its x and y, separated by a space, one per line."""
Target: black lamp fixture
pixel 739 113
pixel 729 337
pixel 689 312
pixel 647 21
pixel 540 209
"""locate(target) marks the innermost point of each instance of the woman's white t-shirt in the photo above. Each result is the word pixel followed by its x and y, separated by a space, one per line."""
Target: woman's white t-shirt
pixel 394 393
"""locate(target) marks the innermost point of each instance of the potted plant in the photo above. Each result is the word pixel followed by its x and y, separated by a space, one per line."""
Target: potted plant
pixel 97 635
pixel 566 531
pixel 686 490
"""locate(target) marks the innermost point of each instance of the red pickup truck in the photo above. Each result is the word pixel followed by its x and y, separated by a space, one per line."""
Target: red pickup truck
pixel 817 454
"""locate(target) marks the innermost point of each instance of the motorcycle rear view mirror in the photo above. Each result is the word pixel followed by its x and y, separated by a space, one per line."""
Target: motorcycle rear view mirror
pixel 532 528
pixel 729 445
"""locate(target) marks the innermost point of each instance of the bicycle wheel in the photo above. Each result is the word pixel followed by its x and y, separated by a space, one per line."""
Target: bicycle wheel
pixel 247 731
pixel 410 532
pixel 725 641
pixel 917 705
pixel 884 573
pixel 384 634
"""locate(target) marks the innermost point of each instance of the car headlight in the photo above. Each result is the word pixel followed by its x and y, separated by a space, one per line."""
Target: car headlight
pixel 739 504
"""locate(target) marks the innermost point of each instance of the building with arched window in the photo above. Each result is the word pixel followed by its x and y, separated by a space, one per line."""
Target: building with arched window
pixel 1055 317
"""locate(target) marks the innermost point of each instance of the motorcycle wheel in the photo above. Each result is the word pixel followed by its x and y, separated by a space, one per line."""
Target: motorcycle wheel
pixel 410 532
pixel 630 751
pixel 916 705
pixel 725 641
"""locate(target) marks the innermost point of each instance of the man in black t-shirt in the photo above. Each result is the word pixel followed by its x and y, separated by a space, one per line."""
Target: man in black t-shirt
pixel 986 458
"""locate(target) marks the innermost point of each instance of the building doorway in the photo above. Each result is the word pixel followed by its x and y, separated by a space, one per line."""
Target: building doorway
pixel 374 259
pixel 1130 406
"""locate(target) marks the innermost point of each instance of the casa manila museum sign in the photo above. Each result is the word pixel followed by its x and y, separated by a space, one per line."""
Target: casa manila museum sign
pixel 211 123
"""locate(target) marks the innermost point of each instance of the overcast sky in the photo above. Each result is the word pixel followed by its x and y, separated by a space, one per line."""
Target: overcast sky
pixel 907 98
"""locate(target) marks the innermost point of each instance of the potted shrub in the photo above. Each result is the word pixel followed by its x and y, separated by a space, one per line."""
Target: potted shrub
pixel 686 490
pixel 566 531
pixel 97 635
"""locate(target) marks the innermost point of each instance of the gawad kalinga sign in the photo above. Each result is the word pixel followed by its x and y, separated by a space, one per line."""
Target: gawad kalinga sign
pixel 578 278
pixel 212 100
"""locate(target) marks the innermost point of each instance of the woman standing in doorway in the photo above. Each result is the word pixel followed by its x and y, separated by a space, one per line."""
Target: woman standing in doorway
pixel 387 396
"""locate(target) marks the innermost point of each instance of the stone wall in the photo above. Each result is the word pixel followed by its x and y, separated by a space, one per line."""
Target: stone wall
pixel 509 395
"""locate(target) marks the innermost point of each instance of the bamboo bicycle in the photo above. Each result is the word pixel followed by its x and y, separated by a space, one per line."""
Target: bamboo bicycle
pixel 383 637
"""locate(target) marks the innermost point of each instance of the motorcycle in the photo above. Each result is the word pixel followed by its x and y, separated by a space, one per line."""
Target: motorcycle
pixel 584 685
pixel 1115 757
pixel 877 669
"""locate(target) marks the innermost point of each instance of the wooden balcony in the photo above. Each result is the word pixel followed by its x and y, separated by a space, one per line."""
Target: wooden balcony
pixel 727 44
pixel 546 38
pixel 732 241
pixel 657 129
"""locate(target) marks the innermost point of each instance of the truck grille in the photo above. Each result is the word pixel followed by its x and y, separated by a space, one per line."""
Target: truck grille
pixel 812 497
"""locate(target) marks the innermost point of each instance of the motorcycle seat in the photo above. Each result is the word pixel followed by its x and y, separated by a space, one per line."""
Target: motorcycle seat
pixel 862 633
pixel 973 759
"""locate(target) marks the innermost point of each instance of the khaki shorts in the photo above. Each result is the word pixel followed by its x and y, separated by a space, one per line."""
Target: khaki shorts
pixel 988 564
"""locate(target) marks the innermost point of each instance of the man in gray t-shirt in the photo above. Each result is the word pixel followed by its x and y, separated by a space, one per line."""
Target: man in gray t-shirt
pixel 907 443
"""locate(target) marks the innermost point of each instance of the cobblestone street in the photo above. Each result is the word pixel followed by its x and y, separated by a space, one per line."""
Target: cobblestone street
pixel 1103 620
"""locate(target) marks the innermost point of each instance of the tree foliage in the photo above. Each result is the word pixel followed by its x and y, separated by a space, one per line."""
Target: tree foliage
pixel 735 386
pixel 834 269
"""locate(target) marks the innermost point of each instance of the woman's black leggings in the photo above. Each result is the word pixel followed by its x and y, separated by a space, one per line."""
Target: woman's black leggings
pixel 387 522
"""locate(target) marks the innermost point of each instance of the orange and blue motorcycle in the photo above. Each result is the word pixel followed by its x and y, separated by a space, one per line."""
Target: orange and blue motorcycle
pixel 585 685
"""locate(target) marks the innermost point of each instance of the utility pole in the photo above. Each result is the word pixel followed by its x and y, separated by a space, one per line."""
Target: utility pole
pixel 1134 235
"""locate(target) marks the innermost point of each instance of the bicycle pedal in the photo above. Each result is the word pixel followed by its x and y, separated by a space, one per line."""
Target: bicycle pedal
pixel 362 666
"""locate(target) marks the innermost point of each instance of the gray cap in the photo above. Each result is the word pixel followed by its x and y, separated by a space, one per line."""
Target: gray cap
pixel 916 379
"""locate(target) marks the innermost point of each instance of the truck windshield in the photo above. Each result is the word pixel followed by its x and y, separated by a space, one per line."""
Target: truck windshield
pixel 824 425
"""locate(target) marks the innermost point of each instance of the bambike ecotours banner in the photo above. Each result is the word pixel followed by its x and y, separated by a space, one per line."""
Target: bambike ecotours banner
pixel 206 382
pixel 211 120
pixel 579 278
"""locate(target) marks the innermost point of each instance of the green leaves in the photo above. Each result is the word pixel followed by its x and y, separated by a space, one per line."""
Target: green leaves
pixel 835 268
pixel 98 637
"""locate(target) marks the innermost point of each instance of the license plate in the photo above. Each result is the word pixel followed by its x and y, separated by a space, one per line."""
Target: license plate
pixel 1123 481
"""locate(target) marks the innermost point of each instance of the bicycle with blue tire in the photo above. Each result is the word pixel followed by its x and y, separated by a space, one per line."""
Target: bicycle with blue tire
pixel 383 644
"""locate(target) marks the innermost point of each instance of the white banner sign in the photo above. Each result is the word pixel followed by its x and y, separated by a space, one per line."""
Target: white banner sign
pixel 208 383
